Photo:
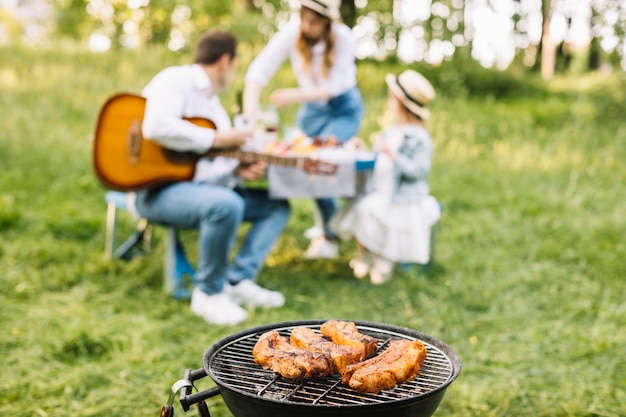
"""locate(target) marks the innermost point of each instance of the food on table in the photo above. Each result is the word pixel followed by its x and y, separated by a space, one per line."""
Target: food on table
pixel 400 362
pixel 273 351
pixel 340 355
pixel 327 142
pixel 300 145
pixel 346 333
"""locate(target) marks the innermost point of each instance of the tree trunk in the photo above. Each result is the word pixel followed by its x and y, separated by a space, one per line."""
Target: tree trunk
pixel 595 57
pixel 594 54
pixel 548 45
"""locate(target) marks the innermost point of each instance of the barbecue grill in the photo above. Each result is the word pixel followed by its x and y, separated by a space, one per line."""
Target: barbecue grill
pixel 251 391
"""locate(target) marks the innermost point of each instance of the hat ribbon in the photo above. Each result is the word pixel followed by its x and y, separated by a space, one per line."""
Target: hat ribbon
pixel 319 3
pixel 408 96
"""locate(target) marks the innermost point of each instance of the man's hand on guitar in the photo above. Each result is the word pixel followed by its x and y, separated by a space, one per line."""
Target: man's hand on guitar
pixel 231 138
pixel 251 171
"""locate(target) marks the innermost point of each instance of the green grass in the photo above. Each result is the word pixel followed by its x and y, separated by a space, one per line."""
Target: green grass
pixel 528 286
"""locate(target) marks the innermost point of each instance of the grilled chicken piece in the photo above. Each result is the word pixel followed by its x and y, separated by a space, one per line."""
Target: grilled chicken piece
pixel 400 362
pixel 273 351
pixel 346 333
pixel 340 355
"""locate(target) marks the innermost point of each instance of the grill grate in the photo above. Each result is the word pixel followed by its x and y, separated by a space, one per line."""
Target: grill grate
pixel 234 367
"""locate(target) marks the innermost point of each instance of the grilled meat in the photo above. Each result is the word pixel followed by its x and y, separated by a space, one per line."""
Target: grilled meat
pixel 273 351
pixel 346 333
pixel 400 362
pixel 340 355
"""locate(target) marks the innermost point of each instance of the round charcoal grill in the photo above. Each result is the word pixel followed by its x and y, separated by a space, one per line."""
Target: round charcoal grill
pixel 249 390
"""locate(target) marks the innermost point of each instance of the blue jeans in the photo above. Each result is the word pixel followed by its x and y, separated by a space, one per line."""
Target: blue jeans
pixel 341 116
pixel 217 212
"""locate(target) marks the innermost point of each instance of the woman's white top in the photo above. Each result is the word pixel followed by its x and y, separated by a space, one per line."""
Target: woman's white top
pixel 341 77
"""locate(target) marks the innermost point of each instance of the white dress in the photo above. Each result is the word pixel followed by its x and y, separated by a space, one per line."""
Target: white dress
pixel 397 231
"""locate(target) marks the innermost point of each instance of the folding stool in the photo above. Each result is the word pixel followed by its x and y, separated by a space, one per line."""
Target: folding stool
pixel 176 265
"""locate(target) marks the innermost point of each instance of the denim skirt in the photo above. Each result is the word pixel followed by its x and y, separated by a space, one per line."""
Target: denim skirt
pixel 340 116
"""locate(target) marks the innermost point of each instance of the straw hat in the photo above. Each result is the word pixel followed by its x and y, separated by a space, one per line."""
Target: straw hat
pixel 413 90
pixel 328 8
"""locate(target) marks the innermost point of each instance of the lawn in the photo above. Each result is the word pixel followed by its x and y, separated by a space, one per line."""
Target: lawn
pixel 528 284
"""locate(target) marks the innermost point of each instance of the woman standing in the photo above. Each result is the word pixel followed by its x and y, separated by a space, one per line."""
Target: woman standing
pixel 321 51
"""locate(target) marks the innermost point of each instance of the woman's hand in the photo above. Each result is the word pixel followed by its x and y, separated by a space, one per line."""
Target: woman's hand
pixel 286 96
pixel 231 138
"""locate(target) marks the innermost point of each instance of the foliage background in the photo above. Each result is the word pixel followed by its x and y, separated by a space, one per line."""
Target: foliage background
pixel 547 35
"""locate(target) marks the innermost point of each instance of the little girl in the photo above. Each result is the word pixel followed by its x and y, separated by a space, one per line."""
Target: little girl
pixel 392 224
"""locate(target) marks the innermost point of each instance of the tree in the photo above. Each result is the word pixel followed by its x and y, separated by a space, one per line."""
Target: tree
pixel 548 45
pixel 430 30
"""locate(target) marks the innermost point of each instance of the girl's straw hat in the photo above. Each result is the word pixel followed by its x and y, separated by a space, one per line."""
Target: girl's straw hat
pixel 413 90
pixel 328 8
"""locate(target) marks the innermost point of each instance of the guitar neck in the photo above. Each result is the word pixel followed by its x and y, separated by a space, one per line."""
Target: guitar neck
pixel 250 157
pixel 312 166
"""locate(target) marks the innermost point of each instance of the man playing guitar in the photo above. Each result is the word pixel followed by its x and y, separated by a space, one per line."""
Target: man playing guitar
pixel 214 201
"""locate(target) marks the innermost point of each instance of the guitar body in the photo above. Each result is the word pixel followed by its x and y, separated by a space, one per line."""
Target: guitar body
pixel 124 160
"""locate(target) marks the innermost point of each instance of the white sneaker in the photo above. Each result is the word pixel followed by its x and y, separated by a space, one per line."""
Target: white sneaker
pixel 313 232
pixel 381 271
pixel 361 264
pixel 247 292
pixel 216 308
pixel 322 248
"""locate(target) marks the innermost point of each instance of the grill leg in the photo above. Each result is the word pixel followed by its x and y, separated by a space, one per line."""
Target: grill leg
pixel 187 398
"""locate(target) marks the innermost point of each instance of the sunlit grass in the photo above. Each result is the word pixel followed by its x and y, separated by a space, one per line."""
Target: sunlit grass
pixel 527 285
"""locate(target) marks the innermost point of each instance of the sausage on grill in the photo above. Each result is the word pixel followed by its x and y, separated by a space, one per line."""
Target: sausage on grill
pixel 273 351
pixel 346 333
pixel 340 355
pixel 400 362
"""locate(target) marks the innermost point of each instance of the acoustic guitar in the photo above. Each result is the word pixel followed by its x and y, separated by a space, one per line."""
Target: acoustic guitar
pixel 126 161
